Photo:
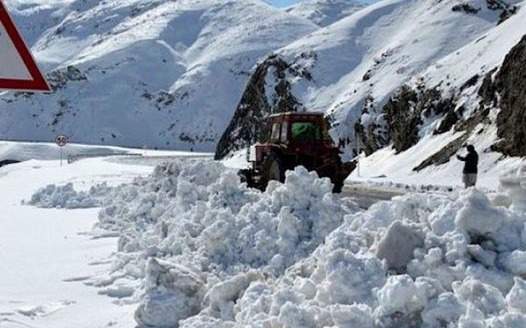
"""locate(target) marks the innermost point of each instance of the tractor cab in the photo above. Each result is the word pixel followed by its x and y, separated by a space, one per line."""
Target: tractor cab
pixel 298 128
pixel 295 139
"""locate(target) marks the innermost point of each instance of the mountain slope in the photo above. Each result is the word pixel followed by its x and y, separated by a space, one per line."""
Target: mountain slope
pixel 325 12
pixel 350 69
pixel 483 85
pixel 135 72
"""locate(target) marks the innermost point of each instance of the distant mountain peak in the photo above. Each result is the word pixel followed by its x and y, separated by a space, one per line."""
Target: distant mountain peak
pixel 325 12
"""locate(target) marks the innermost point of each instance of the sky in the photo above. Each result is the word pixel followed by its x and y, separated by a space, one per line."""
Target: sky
pixel 282 3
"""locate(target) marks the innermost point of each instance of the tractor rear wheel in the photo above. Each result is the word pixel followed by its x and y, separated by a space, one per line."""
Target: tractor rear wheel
pixel 274 169
pixel 338 186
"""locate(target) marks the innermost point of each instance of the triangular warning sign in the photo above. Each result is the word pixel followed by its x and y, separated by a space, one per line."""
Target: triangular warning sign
pixel 18 70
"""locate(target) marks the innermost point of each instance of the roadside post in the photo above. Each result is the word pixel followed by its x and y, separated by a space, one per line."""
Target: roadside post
pixel 61 142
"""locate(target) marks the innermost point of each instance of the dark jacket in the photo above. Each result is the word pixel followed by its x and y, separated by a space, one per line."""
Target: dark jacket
pixel 472 162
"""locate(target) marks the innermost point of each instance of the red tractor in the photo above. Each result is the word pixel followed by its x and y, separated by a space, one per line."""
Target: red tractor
pixel 297 139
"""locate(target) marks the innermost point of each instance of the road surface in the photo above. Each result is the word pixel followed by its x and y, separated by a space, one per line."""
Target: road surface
pixel 366 195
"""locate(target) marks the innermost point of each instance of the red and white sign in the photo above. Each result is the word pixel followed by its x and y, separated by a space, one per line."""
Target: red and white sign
pixel 18 70
pixel 61 141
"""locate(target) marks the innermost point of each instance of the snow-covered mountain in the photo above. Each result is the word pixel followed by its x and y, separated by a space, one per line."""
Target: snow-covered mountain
pixel 325 12
pixel 136 72
pixel 360 71
pixel 400 79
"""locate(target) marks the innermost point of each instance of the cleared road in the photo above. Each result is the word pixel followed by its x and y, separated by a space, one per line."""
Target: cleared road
pixel 366 195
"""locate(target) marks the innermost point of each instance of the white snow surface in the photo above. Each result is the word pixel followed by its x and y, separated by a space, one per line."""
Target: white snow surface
pixel 199 249
pixel 47 254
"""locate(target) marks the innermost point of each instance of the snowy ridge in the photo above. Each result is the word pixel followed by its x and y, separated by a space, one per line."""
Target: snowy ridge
pixel 132 73
pixel 325 12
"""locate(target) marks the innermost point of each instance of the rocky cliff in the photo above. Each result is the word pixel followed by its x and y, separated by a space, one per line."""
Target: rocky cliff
pixel 268 92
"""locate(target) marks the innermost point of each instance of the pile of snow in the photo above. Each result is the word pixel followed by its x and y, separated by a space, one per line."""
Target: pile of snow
pixel 199 249
pixel 200 217
pixel 53 196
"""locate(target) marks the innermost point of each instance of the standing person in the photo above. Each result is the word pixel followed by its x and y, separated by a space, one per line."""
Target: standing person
pixel 471 166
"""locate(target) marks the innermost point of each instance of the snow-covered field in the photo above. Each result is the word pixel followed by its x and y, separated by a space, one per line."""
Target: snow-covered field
pixel 189 246
pixel 46 253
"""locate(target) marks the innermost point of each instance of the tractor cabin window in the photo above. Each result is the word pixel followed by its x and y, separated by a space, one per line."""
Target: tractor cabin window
pixel 284 132
pixel 305 131
pixel 276 127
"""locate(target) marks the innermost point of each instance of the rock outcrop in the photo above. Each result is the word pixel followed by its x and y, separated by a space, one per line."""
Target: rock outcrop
pixel 267 92
pixel 407 110
pixel 510 86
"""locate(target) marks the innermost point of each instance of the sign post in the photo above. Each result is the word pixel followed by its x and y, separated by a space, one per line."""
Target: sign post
pixel 61 141
pixel 18 69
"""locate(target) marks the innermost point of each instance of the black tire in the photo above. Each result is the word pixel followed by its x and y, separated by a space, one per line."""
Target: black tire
pixel 246 176
pixel 243 175
pixel 338 186
pixel 273 169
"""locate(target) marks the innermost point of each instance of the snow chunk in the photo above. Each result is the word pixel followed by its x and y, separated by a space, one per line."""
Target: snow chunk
pixel 514 262
pixel 399 294
pixel 356 315
pixel 222 297
pixel 478 216
pixel 350 278
pixel 482 256
pixel 398 244
pixel 509 320
pixel 294 316
pixel 173 293
pixel 442 310
pixel 514 183
pixel 486 298
pixel 53 196
pixel 516 298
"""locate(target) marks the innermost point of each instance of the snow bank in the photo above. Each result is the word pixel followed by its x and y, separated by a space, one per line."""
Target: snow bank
pixel 514 182
pixel 207 251
pixel 24 151
pixel 53 196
